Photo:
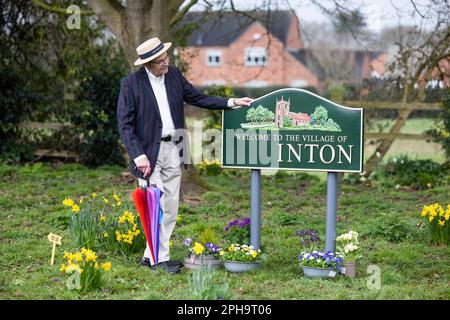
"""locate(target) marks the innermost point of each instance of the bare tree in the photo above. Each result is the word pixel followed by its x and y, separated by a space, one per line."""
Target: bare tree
pixel 419 52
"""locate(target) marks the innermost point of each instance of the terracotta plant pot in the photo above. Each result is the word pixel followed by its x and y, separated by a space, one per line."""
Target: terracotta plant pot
pixel 350 269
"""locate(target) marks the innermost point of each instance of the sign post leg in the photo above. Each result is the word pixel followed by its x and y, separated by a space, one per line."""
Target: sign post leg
pixel 332 190
pixel 255 209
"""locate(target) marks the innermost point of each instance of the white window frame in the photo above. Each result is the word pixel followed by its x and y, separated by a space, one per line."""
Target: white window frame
pixel 258 56
pixel 214 54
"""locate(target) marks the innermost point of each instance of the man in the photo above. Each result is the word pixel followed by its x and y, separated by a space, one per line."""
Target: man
pixel 150 113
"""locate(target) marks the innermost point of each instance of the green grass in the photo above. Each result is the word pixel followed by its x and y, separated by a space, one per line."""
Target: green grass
pixel 412 148
pixel 30 208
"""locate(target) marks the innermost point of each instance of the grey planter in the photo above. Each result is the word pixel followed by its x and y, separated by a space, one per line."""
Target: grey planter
pixel 317 273
pixel 236 266
pixel 199 261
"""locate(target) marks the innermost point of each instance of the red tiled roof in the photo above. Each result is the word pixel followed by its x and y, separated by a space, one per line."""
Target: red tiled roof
pixel 299 116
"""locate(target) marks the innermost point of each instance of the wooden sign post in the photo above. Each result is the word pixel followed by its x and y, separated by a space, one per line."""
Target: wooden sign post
pixel 55 239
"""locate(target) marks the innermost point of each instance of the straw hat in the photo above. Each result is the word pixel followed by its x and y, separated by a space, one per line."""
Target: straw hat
pixel 151 49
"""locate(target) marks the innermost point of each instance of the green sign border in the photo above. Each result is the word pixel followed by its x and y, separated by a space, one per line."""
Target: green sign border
pixel 361 160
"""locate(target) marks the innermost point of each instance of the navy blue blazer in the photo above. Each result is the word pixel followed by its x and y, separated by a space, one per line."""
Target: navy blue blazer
pixel 138 116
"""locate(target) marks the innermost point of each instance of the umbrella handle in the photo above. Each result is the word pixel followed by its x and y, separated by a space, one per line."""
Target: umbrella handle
pixel 148 183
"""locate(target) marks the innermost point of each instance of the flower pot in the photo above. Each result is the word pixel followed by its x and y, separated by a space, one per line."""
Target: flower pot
pixel 198 261
pixel 315 273
pixel 350 269
pixel 236 266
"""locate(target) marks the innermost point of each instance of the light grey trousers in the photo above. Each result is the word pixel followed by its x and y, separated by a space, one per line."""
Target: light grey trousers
pixel 167 177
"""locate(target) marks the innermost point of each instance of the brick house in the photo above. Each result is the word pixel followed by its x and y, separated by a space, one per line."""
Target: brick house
pixel 234 50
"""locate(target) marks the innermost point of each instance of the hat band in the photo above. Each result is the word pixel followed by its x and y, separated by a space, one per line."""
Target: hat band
pixel 152 52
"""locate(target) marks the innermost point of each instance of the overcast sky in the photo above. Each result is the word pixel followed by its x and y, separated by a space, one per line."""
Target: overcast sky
pixel 379 13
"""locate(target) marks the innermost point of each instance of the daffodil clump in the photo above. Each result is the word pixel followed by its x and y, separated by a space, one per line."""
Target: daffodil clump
pixel 437 220
pixel 124 234
pixel 210 167
pixel 241 253
pixel 92 275
pixel 88 217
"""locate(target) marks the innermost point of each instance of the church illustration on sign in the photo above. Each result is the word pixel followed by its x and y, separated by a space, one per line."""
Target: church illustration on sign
pixel 283 118
pixel 282 111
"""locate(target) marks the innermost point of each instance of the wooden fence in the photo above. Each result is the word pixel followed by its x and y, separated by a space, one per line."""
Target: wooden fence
pixel 40 153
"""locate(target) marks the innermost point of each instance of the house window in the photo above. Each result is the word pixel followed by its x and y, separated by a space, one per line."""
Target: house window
pixel 255 56
pixel 213 58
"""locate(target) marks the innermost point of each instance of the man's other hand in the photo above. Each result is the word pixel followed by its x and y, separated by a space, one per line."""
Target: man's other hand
pixel 242 101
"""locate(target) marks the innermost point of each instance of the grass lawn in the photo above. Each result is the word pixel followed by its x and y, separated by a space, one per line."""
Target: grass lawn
pixel 411 268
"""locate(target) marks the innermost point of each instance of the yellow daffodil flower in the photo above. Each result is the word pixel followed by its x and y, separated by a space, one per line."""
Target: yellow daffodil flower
pixel 198 248
pixel 102 218
pixel 94 195
pixel 91 256
pixel 75 208
pixel 441 223
pixel 68 202
pixel 106 266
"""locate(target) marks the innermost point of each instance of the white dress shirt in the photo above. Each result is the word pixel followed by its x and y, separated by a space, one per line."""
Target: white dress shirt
pixel 159 89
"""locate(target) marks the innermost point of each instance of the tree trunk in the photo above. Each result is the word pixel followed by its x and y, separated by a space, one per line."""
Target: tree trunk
pixel 386 144
pixel 135 23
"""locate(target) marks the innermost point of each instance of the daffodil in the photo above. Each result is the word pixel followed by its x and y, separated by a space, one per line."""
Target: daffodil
pixel 91 256
pixel 78 257
pixel 75 208
pixel 441 223
pixel 198 248
pixel 68 202
pixel 102 218
pixel 94 195
pixel 73 267
pixel 106 266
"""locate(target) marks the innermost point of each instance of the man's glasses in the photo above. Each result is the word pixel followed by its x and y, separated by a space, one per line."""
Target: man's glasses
pixel 161 61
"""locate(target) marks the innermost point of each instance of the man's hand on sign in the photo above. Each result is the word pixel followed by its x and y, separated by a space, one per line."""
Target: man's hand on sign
pixel 243 101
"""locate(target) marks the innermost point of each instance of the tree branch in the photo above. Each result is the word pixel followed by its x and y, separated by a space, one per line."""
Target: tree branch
pixel 57 9
pixel 180 14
